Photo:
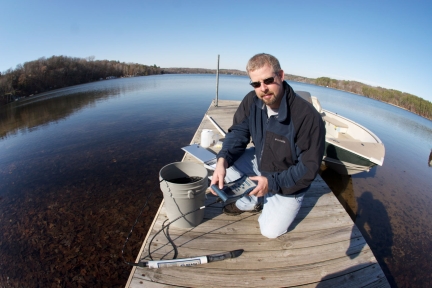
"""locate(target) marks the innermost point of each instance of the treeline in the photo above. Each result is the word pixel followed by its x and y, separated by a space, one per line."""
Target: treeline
pixel 202 71
pixel 407 101
pixel 61 71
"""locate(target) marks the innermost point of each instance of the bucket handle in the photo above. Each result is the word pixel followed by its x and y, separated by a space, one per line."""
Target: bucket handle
pixel 191 194
pixel 169 189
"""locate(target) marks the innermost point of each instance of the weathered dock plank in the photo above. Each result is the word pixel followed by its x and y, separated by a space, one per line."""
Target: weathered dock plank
pixel 323 248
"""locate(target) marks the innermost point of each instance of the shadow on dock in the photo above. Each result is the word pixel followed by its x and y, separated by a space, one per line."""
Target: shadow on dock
pixel 349 277
pixel 309 203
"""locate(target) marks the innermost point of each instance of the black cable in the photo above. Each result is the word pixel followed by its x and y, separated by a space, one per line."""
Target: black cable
pixel 141 264
pixel 167 236
pixel 169 223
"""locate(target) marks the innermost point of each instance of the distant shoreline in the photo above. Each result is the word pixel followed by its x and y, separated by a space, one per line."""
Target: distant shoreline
pixel 357 86
pixel 372 99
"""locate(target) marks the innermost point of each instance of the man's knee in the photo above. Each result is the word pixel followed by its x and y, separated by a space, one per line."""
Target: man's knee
pixel 271 233
pixel 274 229
pixel 278 214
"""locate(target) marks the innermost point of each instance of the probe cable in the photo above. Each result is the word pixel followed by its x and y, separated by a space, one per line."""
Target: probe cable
pixel 142 264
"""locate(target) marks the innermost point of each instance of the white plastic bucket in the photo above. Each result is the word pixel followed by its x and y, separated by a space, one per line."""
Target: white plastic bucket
pixel 181 198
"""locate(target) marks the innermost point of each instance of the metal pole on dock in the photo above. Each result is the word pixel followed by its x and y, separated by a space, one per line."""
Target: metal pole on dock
pixel 217 83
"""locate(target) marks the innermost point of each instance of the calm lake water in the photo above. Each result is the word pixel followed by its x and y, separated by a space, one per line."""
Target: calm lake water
pixel 77 164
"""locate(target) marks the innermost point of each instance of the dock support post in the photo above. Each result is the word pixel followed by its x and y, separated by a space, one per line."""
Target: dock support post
pixel 217 83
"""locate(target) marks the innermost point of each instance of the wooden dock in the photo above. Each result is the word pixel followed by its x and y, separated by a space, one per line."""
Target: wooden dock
pixel 323 247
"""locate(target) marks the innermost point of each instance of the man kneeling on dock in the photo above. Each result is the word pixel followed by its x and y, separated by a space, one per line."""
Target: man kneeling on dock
pixel 288 136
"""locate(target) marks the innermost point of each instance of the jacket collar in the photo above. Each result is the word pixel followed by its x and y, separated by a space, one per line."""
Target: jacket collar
pixel 287 98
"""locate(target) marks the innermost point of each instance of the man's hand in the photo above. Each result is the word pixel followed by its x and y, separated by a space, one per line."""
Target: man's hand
pixel 262 187
pixel 219 174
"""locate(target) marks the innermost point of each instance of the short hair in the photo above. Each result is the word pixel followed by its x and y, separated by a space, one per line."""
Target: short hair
pixel 260 60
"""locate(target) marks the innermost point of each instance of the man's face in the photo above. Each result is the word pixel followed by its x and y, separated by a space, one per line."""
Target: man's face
pixel 270 94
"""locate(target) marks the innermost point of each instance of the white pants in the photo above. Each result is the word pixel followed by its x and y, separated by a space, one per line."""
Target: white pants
pixel 278 212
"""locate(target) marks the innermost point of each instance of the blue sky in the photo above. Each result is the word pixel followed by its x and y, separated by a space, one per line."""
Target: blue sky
pixel 377 42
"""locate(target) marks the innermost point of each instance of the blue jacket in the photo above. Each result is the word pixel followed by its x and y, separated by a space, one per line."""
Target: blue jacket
pixel 289 146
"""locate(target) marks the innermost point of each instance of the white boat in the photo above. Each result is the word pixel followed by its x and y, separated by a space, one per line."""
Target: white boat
pixel 350 148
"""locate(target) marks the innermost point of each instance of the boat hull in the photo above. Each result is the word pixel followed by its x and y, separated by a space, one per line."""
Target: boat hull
pixel 345 168
pixel 345 162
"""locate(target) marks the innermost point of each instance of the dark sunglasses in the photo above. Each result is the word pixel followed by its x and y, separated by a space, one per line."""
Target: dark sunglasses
pixel 267 81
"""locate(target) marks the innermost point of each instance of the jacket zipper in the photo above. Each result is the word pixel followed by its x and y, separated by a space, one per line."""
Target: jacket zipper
pixel 264 137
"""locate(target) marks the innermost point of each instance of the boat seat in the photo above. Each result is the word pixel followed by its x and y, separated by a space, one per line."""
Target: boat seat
pixel 317 105
pixel 334 127
pixel 305 95
pixel 335 122
pixel 346 137
pixel 311 99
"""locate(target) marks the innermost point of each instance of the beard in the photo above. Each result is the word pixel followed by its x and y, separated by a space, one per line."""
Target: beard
pixel 268 101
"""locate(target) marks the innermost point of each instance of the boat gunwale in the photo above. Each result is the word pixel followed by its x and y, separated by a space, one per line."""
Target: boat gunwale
pixel 356 124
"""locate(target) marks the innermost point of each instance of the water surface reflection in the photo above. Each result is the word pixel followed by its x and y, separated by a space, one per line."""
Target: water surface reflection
pixel 74 172
pixel 77 164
